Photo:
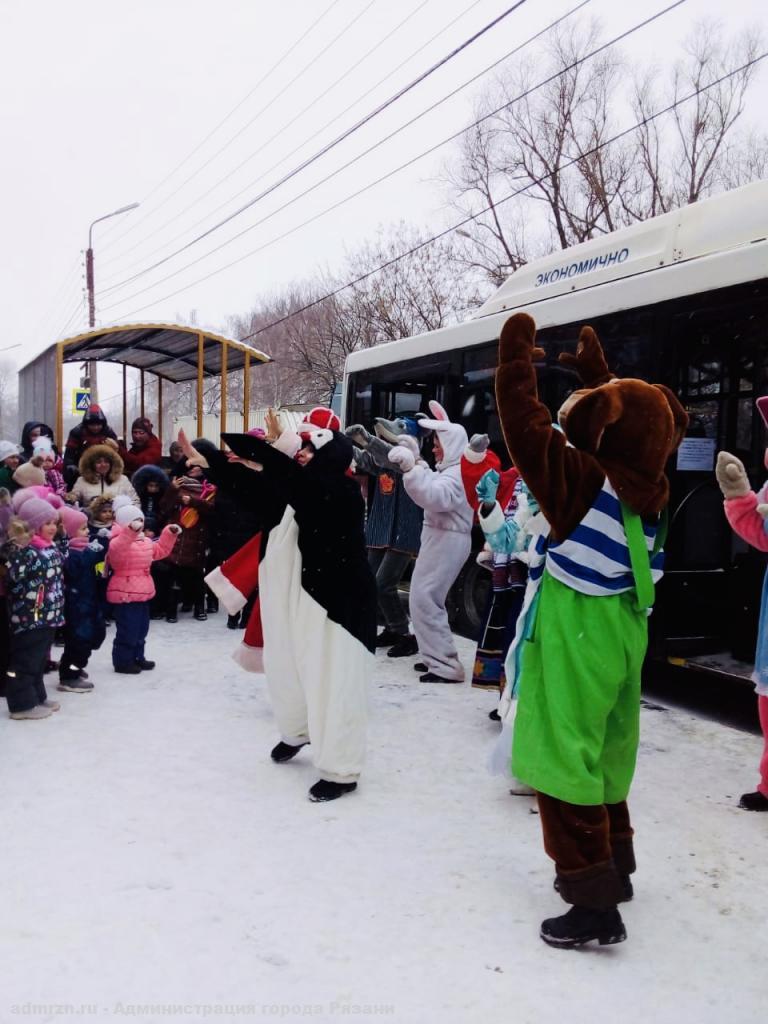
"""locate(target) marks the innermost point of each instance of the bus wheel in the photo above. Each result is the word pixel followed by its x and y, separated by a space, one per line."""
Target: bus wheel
pixel 468 599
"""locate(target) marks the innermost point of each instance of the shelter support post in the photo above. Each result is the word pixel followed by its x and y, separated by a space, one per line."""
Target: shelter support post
pixel 160 408
pixel 246 391
pixel 141 387
pixel 223 429
pixel 125 402
pixel 60 395
pixel 200 355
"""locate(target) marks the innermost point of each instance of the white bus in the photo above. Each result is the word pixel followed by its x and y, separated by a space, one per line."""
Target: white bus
pixel 682 300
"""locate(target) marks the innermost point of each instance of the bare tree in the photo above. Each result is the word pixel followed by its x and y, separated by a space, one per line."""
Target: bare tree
pixel 323 321
pixel 695 152
pixel 551 145
pixel 422 291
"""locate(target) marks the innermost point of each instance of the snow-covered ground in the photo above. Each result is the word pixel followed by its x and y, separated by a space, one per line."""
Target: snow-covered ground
pixel 158 864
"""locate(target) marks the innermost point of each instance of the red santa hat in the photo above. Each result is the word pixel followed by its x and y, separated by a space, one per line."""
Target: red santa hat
pixel 322 417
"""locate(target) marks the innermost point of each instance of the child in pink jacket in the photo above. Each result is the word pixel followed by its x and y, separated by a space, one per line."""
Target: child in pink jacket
pixel 131 587
pixel 745 512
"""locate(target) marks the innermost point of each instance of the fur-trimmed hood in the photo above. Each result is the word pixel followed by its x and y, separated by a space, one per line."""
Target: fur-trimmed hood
pixel 91 455
pixel 143 476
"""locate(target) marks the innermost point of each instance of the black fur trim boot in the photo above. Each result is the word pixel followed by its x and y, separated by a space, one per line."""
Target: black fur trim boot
pixel 324 790
pixel 627 891
pixel 583 924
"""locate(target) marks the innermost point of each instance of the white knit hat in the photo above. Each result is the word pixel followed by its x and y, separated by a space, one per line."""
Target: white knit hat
pixel 42 446
pixel 128 514
pixel 8 448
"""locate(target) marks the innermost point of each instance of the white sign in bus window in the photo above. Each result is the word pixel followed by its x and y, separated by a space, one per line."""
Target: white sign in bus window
pixel 696 453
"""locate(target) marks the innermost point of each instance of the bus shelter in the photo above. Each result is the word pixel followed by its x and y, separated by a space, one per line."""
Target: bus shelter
pixel 172 353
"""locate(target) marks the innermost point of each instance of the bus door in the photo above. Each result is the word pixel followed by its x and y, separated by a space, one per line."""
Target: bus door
pixel 405 388
pixel 710 596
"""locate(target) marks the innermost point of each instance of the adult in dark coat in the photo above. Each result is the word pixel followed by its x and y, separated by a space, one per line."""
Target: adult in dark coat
pixel 145 450
pixel 31 431
pixel 151 483
pixel 233 525
pixel 93 429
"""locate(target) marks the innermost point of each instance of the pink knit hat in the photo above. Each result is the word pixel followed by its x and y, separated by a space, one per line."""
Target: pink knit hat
pixel 73 520
pixel 36 513
pixel 24 493
pixel 257 432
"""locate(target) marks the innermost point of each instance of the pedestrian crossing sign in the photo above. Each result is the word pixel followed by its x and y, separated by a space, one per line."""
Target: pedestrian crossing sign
pixel 81 399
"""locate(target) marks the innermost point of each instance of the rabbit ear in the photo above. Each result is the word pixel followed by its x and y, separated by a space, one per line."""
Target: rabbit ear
pixel 438 412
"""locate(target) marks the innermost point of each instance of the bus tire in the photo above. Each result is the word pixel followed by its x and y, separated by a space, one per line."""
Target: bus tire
pixel 468 599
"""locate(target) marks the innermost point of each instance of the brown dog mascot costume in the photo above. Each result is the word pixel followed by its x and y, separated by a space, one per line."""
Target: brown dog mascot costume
pixel 577 725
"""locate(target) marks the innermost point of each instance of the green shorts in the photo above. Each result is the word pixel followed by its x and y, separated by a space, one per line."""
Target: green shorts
pixel 578 719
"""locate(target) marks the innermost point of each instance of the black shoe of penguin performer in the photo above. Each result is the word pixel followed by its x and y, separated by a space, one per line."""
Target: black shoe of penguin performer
pixel 284 751
pixel 581 925
pixel 324 790
pixel 431 677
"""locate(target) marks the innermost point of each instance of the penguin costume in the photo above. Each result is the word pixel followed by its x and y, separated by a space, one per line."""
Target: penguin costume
pixel 317 598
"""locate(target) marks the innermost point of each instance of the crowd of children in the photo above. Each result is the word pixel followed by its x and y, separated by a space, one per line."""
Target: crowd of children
pixel 107 534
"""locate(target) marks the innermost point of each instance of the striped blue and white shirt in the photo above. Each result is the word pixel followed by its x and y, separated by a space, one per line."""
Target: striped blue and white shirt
pixel 594 559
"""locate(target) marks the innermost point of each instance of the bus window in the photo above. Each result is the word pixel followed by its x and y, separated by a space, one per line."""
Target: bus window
pixel 477 395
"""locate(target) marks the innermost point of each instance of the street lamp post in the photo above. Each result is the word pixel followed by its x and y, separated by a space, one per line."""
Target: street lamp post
pixel 89 282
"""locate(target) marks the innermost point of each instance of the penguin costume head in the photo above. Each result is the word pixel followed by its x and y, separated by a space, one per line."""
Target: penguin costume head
pixel 325 452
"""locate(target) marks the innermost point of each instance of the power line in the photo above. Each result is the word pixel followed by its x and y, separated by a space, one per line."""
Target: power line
pixel 47 315
pixel 340 138
pixel 258 114
pixel 280 60
pixel 403 166
pixel 504 199
pixel 78 308
pixel 262 148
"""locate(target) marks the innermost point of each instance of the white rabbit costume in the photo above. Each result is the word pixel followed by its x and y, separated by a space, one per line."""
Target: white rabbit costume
pixel 446 540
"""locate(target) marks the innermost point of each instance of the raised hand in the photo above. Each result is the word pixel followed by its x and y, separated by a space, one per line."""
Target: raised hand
pixel 358 435
pixel 487 486
pixel 272 425
pixel 406 441
pixel 193 456
pixel 589 360
pixel 479 442
pixel 518 340
pixel 401 457
pixel 731 476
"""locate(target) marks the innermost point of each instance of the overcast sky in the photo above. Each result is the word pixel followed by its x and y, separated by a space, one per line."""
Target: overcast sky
pixel 104 104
